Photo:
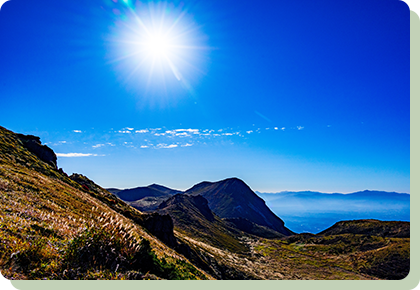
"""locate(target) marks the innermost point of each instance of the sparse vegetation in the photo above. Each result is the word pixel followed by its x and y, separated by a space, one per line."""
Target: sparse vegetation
pixel 56 227
pixel 46 218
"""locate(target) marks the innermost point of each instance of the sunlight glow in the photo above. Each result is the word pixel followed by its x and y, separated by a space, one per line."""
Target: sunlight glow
pixel 158 45
pixel 158 42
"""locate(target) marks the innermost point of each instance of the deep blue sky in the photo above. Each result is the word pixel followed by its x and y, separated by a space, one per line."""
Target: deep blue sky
pixel 286 95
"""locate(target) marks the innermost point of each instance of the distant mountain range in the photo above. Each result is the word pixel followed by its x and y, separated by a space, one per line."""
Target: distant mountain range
pixel 309 211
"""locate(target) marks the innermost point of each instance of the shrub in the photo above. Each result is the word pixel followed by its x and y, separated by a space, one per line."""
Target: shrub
pixel 103 250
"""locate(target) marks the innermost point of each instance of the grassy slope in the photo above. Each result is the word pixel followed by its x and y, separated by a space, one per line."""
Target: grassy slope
pixel 346 250
pixel 196 222
pixel 44 216
pixel 52 227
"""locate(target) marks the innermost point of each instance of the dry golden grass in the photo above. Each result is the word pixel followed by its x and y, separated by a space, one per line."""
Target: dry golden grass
pixel 43 211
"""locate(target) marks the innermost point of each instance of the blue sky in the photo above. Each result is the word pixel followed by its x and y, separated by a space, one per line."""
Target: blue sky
pixel 286 95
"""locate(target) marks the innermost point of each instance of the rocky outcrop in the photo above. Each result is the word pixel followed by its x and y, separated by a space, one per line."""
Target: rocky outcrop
pixel 160 226
pixel 43 152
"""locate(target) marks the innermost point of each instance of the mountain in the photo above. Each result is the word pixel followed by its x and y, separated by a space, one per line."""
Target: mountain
pixel 192 215
pixel 232 198
pixel 229 199
pixel 145 198
pixel 56 226
pixel 137 193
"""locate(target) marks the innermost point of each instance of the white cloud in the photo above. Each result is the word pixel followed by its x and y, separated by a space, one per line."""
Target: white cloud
pixel 75 154
pixel 142 131
pixel 166 146
pixel 131 129
pixel 144 146
pixel 98 145
pixel 187 145
pixel 187 130
pixel 124 132
pixel 249 132
pixel 77 131
pixel 300 127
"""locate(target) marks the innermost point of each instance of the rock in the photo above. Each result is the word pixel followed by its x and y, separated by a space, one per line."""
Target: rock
pixel 43 152
pixel 161 226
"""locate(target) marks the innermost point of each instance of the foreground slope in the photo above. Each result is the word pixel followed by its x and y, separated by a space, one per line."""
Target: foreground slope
pixel 56 227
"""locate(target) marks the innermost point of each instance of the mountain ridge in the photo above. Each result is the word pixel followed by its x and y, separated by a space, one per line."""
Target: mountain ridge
pixel 56 226
pixel 229 198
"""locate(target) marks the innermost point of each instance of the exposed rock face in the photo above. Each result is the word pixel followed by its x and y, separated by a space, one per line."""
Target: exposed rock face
pixel 161 226
pixel 43 152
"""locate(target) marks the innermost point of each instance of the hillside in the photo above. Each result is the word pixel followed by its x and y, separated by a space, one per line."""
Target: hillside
pixel 58 227
pixel 55 226
pixel 192 216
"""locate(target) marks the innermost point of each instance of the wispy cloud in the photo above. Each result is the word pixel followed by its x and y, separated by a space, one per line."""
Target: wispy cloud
pixel 75 154
pixel 77 131
pixel 166 146
pixel 158 138
pixel 142 131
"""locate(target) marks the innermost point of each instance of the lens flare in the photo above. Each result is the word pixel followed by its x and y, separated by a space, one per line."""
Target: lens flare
pixel 158 42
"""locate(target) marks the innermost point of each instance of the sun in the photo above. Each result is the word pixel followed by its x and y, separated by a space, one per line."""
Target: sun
pixel 158 45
